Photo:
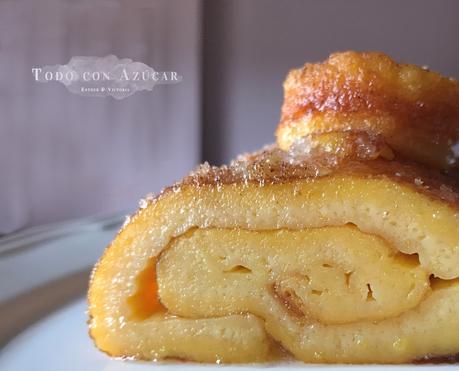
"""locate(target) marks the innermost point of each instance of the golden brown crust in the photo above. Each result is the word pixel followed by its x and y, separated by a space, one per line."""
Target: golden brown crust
pixel 415 110
pixel 273 165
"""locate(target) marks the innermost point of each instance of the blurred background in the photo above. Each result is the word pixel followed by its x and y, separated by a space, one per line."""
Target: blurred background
pixel 64 156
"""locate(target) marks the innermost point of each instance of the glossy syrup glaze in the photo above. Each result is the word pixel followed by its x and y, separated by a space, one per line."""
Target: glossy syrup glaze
pixel 415 110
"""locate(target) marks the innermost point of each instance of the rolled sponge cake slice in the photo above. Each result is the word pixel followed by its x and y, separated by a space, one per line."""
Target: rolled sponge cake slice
pixel 320 258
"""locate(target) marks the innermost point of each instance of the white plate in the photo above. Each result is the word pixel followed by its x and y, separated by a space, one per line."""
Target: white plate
pixel 60 341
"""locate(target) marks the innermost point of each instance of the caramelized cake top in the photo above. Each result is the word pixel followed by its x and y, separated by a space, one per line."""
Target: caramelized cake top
pixel 416 110
pixel 356 154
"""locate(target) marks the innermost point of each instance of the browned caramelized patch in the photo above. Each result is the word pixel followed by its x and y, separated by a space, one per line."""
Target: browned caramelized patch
pixel 369 82
pixel 416 110
pixel 289 300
